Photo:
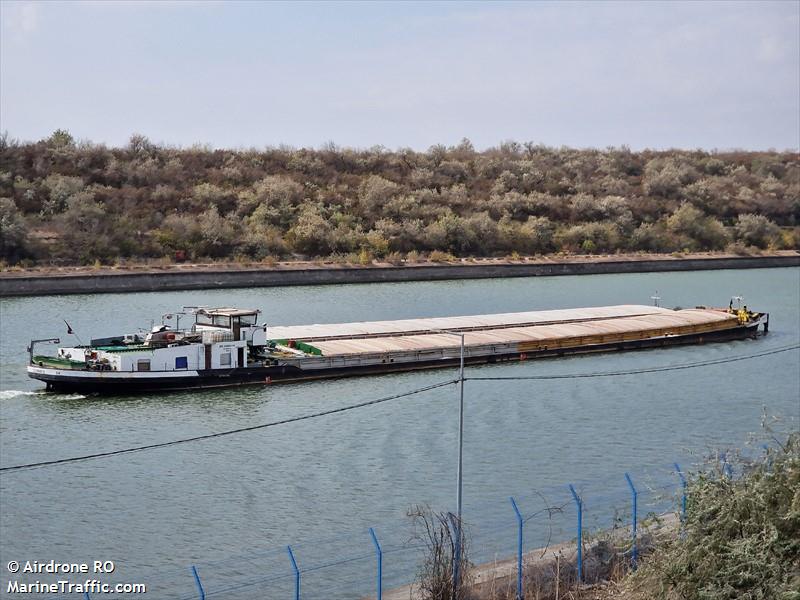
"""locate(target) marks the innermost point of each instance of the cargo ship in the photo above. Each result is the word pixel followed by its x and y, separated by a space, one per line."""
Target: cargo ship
pixel 225 347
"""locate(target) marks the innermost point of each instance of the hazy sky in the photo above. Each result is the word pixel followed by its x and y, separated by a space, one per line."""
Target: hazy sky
pixel 702 74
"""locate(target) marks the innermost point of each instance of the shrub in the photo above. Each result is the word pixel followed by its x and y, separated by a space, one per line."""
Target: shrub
pixel 13 232
pixel 438 532
pixel 395 258
pixel 756 230
pixel 589 237
pixel 59 189
pixel 311 233
pixel 439 256
pixel 451 199
pixel 537 235
pixel 178 232
pixel 653 237
pixel 700 231
pixel 742 535
pixel 665 177
pixel 377 191
pixel 217 234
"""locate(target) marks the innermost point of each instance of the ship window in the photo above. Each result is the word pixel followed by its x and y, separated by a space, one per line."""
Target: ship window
pixel 225 359
pixel 247 320
pixel 143 365
pixel 181 362
pixel 221 321
pixel 215 320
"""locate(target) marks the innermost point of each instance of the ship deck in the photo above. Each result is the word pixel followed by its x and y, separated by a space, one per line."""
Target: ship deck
pixel 530 331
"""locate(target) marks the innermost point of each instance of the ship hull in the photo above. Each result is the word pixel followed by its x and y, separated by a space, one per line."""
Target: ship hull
pixel 91 382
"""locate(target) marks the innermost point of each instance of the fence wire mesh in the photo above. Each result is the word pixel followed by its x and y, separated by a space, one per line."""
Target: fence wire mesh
pixel 346 565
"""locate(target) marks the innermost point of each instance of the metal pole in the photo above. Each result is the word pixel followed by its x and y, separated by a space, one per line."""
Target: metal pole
pixel 579 505
pixel 379 554
pixel 768 456
pixel 459 476
pixel 683 497
pixel 456 553
pixel 459 472
pixel 199 585
pixel 460 434
pixel 34 342
pixel 726 466
pixel 520 523
pixel 634 496
pixel 296 573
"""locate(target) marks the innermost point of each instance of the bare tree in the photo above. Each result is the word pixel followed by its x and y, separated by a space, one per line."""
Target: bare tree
pixel 439 533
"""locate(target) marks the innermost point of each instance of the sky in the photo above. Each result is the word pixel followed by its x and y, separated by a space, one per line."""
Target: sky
pixel 711 75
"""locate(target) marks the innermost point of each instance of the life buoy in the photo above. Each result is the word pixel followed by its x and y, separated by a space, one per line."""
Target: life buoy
pixel 523 356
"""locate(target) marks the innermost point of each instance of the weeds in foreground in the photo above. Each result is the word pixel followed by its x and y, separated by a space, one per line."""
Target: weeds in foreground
pixel 740 540
pixel 439 532
pixel 742 535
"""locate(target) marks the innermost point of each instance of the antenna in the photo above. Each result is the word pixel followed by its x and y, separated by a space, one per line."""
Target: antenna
pixel 656 299
pixel 193 309
pixel 170 316
pixel 70 331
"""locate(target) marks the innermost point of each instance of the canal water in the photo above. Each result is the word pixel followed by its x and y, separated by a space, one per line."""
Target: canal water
pixel 330 478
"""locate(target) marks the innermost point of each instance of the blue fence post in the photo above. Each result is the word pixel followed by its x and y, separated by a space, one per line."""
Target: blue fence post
pixel 726 466
pixel 456 553
pixel 379 555
pixel 683 496
pixel 197 582
pixel 520 523
pixel 296 573
pixel 768 456
pixel 634 497
pixel 579 506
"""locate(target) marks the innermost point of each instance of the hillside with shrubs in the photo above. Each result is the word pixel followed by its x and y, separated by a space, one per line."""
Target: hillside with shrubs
pixel 64 202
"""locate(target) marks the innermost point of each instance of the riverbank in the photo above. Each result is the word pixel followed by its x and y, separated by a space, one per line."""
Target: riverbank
pixel 139 278
pixel 721 550
pixel 604 561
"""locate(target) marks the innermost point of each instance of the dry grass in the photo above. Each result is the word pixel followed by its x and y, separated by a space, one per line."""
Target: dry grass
pixel 741 541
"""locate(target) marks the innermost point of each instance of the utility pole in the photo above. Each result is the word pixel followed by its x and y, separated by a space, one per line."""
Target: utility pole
pixel 459 472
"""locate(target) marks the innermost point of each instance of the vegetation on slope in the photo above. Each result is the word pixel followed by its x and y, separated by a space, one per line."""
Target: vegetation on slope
pixel 63 202
pixel 740 541
pixel 742 536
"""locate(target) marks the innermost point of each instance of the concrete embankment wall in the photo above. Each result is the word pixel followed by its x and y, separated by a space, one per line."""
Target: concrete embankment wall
pixel 270 277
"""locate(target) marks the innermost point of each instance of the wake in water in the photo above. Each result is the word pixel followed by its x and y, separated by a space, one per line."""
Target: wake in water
pixel 8 394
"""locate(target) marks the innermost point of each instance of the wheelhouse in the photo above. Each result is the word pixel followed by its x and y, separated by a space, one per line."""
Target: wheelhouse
pixel 231 319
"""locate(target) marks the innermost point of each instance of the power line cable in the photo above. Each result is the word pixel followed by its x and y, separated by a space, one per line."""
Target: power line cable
pixel 706 363
pixel 208 436
pixel 342 409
